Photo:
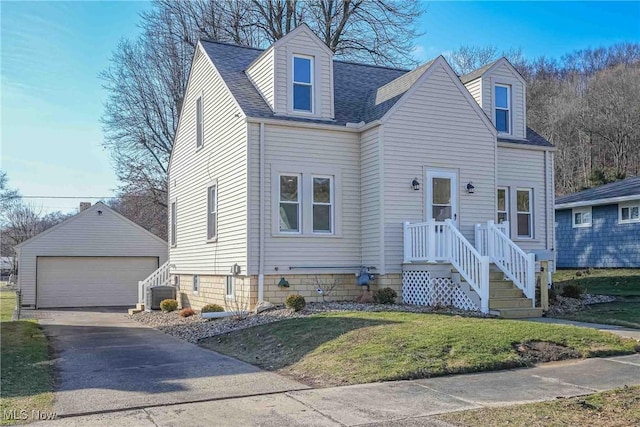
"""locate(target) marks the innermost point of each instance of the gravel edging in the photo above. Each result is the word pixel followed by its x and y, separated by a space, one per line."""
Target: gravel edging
pixel 564 305
pixel 195 328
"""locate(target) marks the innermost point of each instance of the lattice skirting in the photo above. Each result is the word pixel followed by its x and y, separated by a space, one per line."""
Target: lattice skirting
pixel 419 288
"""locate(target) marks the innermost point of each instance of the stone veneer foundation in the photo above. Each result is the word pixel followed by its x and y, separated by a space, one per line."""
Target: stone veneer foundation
pixel 212 289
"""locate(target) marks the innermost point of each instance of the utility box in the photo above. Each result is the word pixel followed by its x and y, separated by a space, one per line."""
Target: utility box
pixel 160 293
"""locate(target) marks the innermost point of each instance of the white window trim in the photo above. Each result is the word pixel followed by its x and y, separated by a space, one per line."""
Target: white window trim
pixel 200 123
pixel 509 108
pixel 232 295
pixel 312 84
pixel 214 238
pixel 629 205
pixel 195 289
pixel 305 191
pixel 299 203
pixel 582 211
pixel 507 197
pixel 530 212
pixel 173 232
pixel 331 204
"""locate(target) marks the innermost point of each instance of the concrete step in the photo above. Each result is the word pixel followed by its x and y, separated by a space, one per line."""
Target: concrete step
pixel 140 306
pixel 518 313
pixel 500 303
pixel 505 293
pixel 501 284
pixel 133 311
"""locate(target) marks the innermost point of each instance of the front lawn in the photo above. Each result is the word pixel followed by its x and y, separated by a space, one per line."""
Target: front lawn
pixel 618 408
pixel 25 370
pixel 624 284
pixel 362 347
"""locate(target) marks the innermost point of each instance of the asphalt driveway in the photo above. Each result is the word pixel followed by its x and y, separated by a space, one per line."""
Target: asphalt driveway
pixel 105 362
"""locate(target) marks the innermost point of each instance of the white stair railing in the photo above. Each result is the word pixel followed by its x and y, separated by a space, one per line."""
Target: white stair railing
pixel 482 236
pixel 160 277
pixel 434 241
pixel 469 263
pixel 517 265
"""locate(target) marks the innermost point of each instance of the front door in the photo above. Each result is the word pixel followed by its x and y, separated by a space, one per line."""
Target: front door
pixel 442 195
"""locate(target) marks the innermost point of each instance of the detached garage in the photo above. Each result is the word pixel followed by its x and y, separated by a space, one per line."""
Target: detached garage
pixel 94 259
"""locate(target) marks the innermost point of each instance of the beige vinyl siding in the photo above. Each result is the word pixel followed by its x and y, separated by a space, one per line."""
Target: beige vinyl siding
pixel 261 75
pixel 87 234
pixel 475 89
pixel 304 43
pixel 310 149
pixel 522 168
pixel 502 74
pixel 222 160
pixel 371 197
pixel 436 127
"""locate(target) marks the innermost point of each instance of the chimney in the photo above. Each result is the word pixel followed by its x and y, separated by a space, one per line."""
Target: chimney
pixel 84 206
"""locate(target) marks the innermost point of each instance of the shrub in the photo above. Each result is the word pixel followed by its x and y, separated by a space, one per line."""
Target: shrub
pixel 385 296
pixel 212 308
pixel 169 305
pixel 572 290
pixel 296 302
pixel 187 312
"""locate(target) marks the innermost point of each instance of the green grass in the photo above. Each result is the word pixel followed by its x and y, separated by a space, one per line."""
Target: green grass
pixel 616 282
pixel 618 408
pixel 25 372
pixel 624 284
pixel 361 347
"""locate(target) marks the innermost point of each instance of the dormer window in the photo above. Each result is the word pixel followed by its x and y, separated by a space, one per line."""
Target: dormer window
pixel 303 83
pixel 503 108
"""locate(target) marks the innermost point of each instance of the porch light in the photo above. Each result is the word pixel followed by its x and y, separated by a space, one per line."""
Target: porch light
pixel 415 184
pixel 470 188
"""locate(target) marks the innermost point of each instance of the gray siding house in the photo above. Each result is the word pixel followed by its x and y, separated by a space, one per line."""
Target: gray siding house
pixel 600 227
pixel 292 168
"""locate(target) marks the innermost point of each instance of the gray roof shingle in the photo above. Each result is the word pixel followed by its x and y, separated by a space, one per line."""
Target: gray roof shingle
pixel 624 188
pixel 533 138
pixel 362 92
pixel 477 73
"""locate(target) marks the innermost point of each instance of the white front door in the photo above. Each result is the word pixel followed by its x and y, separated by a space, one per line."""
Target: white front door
pixel 442 195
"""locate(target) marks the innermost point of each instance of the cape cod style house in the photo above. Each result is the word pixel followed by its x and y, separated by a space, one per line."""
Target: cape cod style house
pixel 292 170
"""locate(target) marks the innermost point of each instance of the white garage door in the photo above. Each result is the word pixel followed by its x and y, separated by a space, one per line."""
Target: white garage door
pixel 91 281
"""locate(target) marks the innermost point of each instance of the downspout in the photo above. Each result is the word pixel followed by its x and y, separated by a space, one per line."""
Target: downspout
pixel 261 220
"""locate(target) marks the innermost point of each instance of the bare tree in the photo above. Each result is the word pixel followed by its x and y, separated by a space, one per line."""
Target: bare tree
pixel 8 196
pixel 142 209
pixel 466 59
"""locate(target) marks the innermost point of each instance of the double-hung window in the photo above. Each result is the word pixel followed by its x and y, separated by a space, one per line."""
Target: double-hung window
pixel 629 212
pixel 212 212
pixel 503 205
pixel 289 204
pixel 174 223
pixel 322 204
pixel 303 83
pixel 581 217
pixel 524 199
pixel 199 123
pixel 502 97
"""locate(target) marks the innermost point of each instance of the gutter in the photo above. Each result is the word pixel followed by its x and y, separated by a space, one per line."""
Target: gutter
pixel 261 220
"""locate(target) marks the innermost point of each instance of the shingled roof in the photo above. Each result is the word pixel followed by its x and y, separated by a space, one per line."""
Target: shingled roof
pixel 362 92
pixel 627 188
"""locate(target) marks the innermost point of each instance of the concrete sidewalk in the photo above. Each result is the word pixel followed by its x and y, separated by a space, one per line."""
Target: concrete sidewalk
pixel 616 330
pixel 400 403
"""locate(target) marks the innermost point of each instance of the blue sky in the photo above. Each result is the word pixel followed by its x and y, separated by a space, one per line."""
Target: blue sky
pixel 52 52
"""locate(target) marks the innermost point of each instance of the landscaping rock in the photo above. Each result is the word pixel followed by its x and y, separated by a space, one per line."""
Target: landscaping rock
pixel 264 306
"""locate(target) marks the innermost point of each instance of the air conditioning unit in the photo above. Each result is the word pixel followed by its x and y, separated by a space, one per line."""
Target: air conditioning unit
pixel 159 293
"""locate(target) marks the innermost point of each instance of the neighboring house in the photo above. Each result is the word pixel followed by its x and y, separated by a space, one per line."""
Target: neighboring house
pixel 94 258
pixel 600 227
pixel 291 167
pixel 6 266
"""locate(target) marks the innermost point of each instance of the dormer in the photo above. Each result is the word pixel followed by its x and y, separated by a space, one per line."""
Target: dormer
pixel 295 76
pixel 501 92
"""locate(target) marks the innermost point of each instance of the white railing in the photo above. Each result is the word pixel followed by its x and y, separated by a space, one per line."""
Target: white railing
pixel 517 265
pixel 160 277
pixel 482 233
pixel 434 241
